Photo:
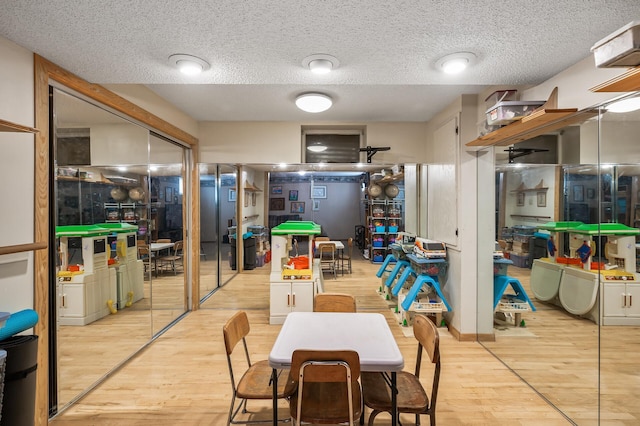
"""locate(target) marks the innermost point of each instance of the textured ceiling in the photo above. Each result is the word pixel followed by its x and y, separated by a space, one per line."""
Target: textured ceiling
pixel 387 50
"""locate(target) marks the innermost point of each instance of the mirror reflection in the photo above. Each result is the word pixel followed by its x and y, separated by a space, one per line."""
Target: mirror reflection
pixel 567 212
pixel 117 197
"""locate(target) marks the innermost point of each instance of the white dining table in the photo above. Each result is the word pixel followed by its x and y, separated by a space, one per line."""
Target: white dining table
pixel 366 333
pixel 156 247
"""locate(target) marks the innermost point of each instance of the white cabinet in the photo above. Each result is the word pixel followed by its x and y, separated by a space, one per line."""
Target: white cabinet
pixel 620 303
pixel 291 296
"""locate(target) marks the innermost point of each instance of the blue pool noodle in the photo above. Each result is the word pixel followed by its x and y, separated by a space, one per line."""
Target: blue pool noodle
pixel 18 322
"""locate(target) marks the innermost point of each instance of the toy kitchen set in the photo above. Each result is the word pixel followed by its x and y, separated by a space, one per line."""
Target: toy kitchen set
pixel 98 272
pixel 601 291
pixel 295 279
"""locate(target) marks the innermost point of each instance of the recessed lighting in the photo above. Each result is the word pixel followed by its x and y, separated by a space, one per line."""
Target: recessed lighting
pixel 625 105
pixel 320 63
pixel 456 62
pixel 314 102
pixel 189 64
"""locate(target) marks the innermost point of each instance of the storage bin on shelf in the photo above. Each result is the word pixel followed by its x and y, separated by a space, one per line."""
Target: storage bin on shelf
pixel 619 49
pixel 520 260
pixel 378 241
pixel 506 112
pixel 377 255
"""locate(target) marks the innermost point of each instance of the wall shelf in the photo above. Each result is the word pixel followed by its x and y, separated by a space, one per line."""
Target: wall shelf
pixel 546 119
pixel 7 126
pixel 627 82
pixel 538 188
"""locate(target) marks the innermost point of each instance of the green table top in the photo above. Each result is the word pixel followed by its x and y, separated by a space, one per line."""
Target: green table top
pixel 81 231
pixel 297 227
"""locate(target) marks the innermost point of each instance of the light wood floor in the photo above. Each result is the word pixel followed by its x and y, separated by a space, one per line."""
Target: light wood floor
pixel 182 378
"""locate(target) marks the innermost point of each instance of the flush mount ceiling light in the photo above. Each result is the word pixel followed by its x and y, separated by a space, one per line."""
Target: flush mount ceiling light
pixel 313 102
pixel 320 63
pixel 625 105
pixel 456 62
pixel 188 64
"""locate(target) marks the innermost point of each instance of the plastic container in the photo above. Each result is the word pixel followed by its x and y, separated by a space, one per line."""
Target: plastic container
pixel 380 228
pixel 506 112
pixel 484 127
pixel 500 96
pixel 378 242
pixel 500 266
pixel 619 49
pixel 393 229
pixel 521 261
pixel 425 267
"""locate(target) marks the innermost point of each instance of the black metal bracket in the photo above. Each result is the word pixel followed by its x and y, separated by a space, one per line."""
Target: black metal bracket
pixel 371 151
pixel 521 152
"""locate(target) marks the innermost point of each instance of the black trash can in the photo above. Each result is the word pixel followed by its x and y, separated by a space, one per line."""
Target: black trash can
pixel 19 402
pixel 249 245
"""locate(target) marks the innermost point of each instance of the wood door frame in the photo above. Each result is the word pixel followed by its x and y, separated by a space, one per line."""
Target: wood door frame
pixel 46 72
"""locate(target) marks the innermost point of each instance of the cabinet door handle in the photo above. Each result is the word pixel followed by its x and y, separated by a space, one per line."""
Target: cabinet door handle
pixel 624 303
pixel 630 300
pixel 288 300
pixel 64 305
pixel 294 299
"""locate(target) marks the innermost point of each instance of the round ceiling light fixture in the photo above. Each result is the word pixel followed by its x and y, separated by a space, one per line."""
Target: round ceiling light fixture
pixel 320 63
pixel 189 64
pixel 456 62
pixel 313 102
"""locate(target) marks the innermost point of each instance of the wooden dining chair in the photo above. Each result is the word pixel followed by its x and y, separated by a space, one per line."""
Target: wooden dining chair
pixel 411 397
pixel 174 257
pixel 163 240
pixel 148 259
pixel 316 252
pixel 255 381
pixel 334 302
pixel 328 258
pixel 347 255
pixel 325 387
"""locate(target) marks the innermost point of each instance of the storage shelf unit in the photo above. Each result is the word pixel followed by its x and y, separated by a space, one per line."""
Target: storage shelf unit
pixel 627 82
pixel 384 221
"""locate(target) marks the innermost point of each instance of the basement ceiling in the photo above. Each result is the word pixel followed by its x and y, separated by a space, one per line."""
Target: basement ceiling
pixel 387 50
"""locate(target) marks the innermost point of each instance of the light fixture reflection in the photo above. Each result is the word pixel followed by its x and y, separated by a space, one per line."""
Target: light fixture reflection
pixel 625 105
pixel 313 102
pixel 317 148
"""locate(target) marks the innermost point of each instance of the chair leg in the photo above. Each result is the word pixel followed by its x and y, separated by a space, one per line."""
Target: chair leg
pixel 372 416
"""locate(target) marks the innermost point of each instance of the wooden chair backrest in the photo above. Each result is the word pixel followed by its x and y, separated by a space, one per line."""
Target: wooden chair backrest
pixel 323 239
pixel 426 333
pixel 327 251
pixel 334 302
pixel 164 240
pixel 320 373
pixel 236 328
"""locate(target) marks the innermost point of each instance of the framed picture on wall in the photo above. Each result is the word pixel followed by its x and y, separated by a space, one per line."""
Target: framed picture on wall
pixel 520 199
pixel 542 199
pixel 246 199
pixel 319 192
pixel 253 198
pixel 316 205
pixel 232 195
pixel 591 193
pixel 276 204
pixel 293 195
pixel 297 207
pixel 276 190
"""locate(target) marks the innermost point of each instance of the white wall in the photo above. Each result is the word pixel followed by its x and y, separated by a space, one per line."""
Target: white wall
pixel 280 142
pixel 17 175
